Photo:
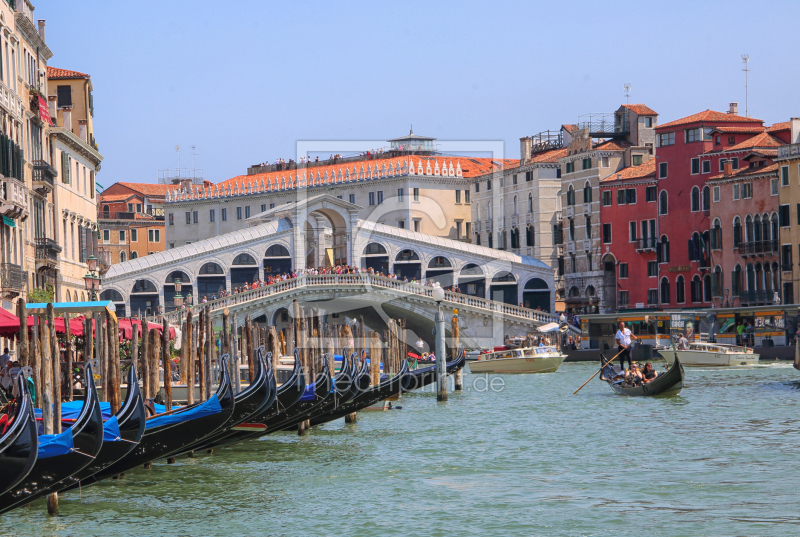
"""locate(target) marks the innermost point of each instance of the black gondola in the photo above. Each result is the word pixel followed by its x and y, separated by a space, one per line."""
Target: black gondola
pixel 62 455
pixel 308 405
pixel 129 423
pixel 19 444
pixel 247 403
pixel 419 378
pixel 363 399
pixel 288 395
pixel 169 433
pixel 345 386
pixel 668 383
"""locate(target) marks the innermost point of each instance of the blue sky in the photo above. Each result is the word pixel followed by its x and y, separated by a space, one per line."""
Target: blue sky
pixel 244 81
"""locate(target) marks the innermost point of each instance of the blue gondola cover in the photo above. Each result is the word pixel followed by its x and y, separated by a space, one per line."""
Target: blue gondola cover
pixel 51 445
pixel 111 430
pixel 208 408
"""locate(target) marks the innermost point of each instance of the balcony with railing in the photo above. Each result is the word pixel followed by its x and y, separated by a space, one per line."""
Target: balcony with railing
pixel 12 279
pixel 13 202
pixel 789 151
pixel 43 176
pixel 604 125
pixel 47 251
pixel 759 248
pixel 756 296
pixel 646 244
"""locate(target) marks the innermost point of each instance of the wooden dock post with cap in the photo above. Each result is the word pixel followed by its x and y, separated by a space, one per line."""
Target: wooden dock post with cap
pixel 191 344
pixel 145 361
pixel 201 345
pixel 166 360
pixel 22 314
pixel 458 378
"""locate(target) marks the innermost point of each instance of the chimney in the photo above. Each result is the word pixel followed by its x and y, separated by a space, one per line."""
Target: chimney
pixel 186 185
pixel 795 129
pixel 41 29
pixel 734 109
pixel 524 149
pixel 727 167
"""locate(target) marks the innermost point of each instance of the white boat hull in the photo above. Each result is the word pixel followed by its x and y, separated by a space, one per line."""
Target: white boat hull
pixel 693 358
pixel 547 364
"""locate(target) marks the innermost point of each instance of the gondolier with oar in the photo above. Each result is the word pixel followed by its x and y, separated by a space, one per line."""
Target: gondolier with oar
pixel 624 337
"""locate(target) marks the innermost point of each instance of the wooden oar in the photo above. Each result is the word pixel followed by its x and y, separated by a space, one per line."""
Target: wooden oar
pixel 601 368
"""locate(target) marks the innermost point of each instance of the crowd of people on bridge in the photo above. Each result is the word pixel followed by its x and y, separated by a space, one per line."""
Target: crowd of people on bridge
pixel 271 279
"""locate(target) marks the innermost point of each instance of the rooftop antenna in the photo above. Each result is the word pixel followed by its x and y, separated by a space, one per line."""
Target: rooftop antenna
pixel 178 149
pixel 194 163
pixel 745 60
pixel 627 86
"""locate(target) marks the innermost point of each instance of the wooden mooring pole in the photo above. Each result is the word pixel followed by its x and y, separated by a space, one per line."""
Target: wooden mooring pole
pixel 458 378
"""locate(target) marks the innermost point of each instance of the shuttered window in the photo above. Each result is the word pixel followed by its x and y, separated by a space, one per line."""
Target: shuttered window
pixel 64 96
pixel 65 167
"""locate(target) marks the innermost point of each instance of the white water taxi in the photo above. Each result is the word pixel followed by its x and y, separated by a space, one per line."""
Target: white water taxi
pixel 712 354
pixel 525 360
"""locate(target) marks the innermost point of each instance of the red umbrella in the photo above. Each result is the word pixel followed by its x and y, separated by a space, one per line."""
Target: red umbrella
pixel 126 328
pixel 9 324
pixel 75 325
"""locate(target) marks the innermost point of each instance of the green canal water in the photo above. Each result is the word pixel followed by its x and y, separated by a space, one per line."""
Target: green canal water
pixel 527 458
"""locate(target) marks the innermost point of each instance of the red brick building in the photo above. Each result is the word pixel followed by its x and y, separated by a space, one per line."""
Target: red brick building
pixel 628 216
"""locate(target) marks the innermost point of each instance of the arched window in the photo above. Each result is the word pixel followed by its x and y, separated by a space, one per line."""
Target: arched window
pixel 757 236
pixel 590 291
pixel 68 296
pixel 572 229
pixel 406 255
pixel 439 262
pixel 123 256
pixel 695 199
pixel 664 290
pixel 144 286
pixel 530 203
pixel 680 290
pixel 504 277
pixel 716 283
pixel 588 227
pixel 587 192
pixel 748 228
pixel 716 235
pixel 707 288
pixel 109 294
pixel 244 259
pixel 737 232
pixel 751 277
pixel 663 250
pixel 695 245
pixel 765 228
pixel 697 289
pixel 706 199
pixel 106 211
pixel 570 196
pixel 530 238
pixel 277 250
pixel 514 237
pixel 210 269
pixel 736 281
pixel 775 236
pixel 374 248
pixel 768 280
pixel 662 203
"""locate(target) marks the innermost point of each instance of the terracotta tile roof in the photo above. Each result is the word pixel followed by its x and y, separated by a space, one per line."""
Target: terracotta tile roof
pixel 783 126
pixel 709 116
pixel 612 145
pixel 760 140
pixel 739 130
pixel 569 127
pixel 771 153
pixel 745 172
pixel 469 167
pixel 642 171
pixel 55 72
pixel 114 197
pixel 151 189
pixel 641 109
pixel 549 156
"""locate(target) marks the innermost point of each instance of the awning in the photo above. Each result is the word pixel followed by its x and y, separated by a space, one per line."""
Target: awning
pixel 9 221
pixel 549 327
pixel 44 111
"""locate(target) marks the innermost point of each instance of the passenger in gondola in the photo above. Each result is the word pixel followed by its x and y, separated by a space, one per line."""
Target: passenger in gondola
pixel 634 376
pixel 649 374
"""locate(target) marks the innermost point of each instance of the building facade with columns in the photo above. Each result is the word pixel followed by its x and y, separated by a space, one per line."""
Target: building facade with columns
pixel 423 193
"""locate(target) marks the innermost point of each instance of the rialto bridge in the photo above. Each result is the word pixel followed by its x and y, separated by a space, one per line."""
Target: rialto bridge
pixel 492 283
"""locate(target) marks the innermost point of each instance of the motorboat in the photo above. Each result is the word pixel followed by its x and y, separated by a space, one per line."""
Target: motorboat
pixel 712 355
pixel 545 359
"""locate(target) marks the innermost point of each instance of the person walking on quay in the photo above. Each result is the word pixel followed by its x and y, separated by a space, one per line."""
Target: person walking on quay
pixel 624 337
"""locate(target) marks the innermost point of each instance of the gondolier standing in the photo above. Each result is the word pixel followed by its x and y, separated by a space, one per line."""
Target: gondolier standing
pixel 624 337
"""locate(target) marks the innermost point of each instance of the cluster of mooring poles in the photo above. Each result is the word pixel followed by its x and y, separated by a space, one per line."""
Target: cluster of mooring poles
pixel 189 388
